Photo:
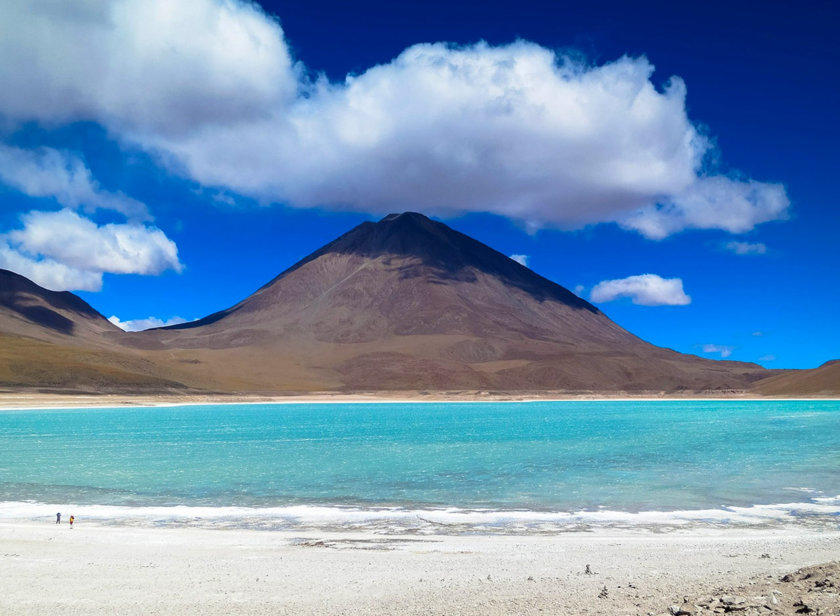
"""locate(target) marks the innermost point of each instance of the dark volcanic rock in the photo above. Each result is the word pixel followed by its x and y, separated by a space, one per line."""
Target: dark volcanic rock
pixel 810 590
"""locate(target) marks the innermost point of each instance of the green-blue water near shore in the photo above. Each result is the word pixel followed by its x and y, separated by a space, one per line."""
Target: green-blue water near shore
pixel 537 464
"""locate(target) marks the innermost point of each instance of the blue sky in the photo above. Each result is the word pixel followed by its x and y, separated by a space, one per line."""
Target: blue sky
pixel 674 163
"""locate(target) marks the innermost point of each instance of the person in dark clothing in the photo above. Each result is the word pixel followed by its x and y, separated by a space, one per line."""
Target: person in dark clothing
pixel 58 518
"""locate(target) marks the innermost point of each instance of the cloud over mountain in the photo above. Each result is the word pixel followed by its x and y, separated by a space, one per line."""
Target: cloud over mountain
pixel 516 130
pixel 62 250
pixel 645 290
pixel 723 350
pixel 47 172
pixel 138 325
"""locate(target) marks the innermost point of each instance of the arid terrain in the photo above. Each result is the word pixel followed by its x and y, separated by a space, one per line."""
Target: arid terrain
pixel 97 569
pixel 403 305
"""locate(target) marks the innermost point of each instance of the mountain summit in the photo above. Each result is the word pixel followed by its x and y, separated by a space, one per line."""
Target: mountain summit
pixel 407 251
pixel 409 303
pixel 406 276
pixel 453 255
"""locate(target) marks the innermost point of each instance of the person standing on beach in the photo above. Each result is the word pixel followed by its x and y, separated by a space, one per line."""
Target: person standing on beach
pixel 58 518
pixel 72 518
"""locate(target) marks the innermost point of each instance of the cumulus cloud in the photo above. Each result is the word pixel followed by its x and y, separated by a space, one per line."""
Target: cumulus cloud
pixel 138 325
pixel 513 130
pixel 48 273
pixel 746 248
pixel 718 349
pixel 517 130
pixel 645 290
pixel 47 172
pixel 62 250
pixel 141 66
pixel 714 202
pixel 521 259
pixel 81 243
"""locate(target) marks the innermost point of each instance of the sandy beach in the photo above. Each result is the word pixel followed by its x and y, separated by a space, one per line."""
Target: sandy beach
pixel 32 400
pixel 93 569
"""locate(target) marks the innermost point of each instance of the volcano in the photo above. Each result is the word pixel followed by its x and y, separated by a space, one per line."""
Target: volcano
pixel 407 303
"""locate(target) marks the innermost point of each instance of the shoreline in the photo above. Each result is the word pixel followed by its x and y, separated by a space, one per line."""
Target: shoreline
pixel 46 401
pixel 816 515
pixel 48 569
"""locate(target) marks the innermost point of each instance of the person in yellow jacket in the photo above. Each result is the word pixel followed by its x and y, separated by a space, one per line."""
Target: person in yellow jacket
pixel 72 519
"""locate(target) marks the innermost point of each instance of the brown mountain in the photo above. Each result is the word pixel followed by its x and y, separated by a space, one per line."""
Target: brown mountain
pixel 56 341
pixel 822 381
pixel 408 303
pixel 30 310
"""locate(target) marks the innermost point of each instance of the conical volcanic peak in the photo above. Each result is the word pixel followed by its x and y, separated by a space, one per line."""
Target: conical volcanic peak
pixel 453 255
pixel 406 303
pixel 403 304
pixel 402 270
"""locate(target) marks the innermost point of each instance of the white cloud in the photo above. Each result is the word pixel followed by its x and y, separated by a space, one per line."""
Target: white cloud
pixel 714 202
pixel 62 250
pixel 209 85
pixel 521 259
pixel 48 273
pixel 747 248
pixel 579 289
pixel 722 350
pixel 138 325
pixel 79 242
pixel 645 290
pixel 767 358
pixel 47 172
pixel 141 66
pixel 513 130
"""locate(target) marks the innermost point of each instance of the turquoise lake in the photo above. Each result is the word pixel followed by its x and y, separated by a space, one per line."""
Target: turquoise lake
pixel 482 465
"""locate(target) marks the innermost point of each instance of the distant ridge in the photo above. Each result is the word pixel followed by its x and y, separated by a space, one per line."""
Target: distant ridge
pixel 403 304
pixel 55 341
pixel 60 312
pixel 821 381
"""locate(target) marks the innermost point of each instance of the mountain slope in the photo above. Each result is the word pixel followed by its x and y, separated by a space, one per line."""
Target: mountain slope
pixel 56 341
pixel 409 303
pixel 408 275
pixel 821 381
pixel 30 310
pixel 406 303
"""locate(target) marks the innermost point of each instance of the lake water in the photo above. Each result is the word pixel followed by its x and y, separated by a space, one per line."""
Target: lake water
pixel 447 467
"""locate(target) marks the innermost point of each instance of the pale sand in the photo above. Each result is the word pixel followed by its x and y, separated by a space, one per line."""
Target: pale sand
pixel 30 400
pixel 49 569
